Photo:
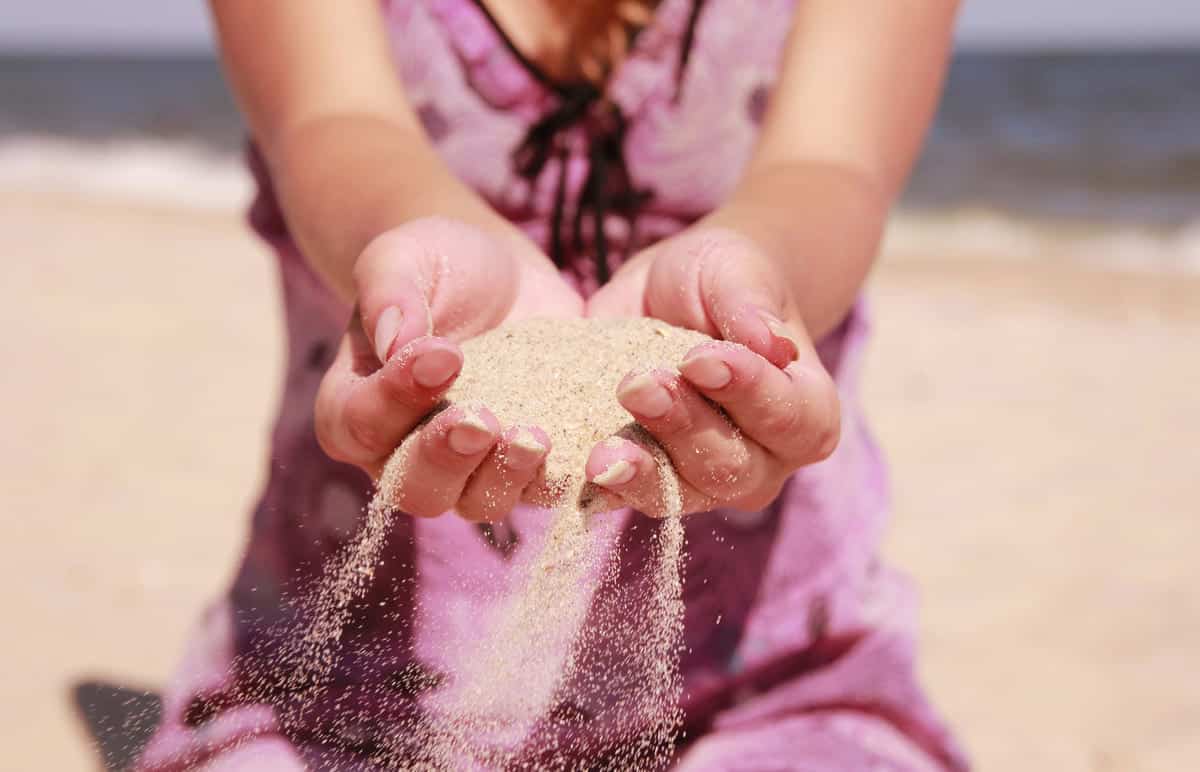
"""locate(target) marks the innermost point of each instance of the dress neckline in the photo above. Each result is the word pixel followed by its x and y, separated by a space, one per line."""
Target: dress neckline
pixel 598 115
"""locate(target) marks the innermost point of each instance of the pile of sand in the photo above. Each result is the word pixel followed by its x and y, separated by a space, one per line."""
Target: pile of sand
pixel 562 375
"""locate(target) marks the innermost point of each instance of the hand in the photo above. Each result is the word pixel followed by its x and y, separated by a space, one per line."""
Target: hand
pixel 421 288
pixel 741 418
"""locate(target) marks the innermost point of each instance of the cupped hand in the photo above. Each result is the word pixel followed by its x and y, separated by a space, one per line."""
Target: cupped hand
pixel 422 288
pixel 743 412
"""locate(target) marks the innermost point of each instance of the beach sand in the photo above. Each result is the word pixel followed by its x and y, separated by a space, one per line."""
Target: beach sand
pixel 1041 419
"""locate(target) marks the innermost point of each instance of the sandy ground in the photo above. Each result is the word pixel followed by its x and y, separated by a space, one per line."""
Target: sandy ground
pixel 1042 420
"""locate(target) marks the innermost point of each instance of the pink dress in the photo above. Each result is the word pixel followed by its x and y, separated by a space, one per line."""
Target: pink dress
pixel 800 642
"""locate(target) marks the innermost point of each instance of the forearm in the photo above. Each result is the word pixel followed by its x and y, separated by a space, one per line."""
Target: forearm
pixel 347 153
pixel 820 223
pixel 854 99
pixel 344 179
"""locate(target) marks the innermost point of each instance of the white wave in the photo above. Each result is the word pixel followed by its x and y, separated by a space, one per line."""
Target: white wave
pixel 995 235
pixel 142 171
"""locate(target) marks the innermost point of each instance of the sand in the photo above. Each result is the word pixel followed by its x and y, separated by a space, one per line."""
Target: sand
pixel 1040 417
pixel 505 682
pixel 562 375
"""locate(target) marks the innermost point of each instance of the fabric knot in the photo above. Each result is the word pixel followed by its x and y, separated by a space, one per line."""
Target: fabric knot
pixel 583 106
pixel 543 138
pixel 608 186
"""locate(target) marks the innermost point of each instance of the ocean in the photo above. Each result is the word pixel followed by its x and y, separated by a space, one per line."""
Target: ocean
pixel 1097 151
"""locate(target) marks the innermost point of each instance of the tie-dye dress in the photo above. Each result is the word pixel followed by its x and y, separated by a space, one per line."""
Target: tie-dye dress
pixel 799 641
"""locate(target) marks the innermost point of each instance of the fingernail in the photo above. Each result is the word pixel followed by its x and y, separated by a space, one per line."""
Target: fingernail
pixel 470 436
pixel 433 369
pixel 617 473
pixel 526 440
pixel 525 450
pixel 645 396
pixel 706 371
pixel 387 327
pixel 782 334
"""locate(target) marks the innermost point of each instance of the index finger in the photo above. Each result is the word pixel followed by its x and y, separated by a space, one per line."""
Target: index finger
pixel 361 419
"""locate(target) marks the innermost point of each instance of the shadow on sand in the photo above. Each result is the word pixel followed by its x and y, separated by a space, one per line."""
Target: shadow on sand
pixel 120 720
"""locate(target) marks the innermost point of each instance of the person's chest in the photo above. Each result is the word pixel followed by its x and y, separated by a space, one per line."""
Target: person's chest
pixel 690 122
pixel 540 29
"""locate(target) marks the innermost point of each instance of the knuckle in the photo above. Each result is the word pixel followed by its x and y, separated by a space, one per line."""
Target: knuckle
pixel 782 423
pixel 725 468
pixel 724 474
pixel 366 435
pixel 827 436
pixel 439 459
pixel 396 386
pixel 676 422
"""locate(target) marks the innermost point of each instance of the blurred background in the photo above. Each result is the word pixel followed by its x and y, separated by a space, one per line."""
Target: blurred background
pixel 1034 376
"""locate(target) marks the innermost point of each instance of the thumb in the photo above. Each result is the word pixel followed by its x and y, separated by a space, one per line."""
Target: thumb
pixel 432 277
pixel 747 304
pixel 718 282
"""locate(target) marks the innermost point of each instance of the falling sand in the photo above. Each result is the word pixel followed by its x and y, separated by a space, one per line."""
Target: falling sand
pixel 499 707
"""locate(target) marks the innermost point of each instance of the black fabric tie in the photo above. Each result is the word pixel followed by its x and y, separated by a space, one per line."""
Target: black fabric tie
pixel 608 186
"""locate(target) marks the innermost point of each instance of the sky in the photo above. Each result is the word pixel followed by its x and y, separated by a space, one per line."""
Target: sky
pixel 182 25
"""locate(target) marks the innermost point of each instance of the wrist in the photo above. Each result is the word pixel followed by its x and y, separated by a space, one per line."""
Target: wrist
pixel 817 224
pixel 784 206
pixel 337 201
